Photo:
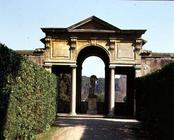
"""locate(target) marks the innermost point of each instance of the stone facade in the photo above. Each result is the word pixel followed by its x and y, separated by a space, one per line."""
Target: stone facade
pixel 69 47
pixel 150 61
pixel 124 47
pixel 62 45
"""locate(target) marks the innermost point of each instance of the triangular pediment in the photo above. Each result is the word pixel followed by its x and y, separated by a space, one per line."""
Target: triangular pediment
pixel 93 23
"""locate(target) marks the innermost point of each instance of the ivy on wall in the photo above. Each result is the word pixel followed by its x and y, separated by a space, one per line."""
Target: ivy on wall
pixel 28 95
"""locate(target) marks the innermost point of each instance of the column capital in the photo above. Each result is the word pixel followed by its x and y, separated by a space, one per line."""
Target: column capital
pixel 137 67
pixel 73 66
pixel 47 65
pixel 48 68
pixel 112 66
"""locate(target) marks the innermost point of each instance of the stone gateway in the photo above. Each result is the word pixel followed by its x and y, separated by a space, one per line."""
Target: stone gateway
pixel 66 49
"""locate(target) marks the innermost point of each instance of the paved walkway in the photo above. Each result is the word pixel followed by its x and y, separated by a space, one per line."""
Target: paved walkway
pixel 97 129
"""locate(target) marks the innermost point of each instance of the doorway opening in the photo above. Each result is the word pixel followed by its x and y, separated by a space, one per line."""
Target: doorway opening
pixel 120 88
pixel 93 66
pixel 64 86
pixel 124 91
pixel 92 52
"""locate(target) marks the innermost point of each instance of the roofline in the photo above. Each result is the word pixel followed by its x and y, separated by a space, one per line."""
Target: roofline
pixel 25 52
pixel 91 18
pixel 57 30
pixel 142 31
pixel 73 28
pixel 30 52
pixel 48 29
pixel 151 54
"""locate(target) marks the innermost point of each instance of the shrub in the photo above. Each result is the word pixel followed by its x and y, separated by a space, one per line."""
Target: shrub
pixel 27 96
pixel 155 101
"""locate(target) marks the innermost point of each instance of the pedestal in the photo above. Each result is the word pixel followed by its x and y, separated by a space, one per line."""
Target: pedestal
pixel 92 105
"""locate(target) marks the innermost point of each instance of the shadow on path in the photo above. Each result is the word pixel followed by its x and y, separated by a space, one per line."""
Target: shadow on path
pixel 99 129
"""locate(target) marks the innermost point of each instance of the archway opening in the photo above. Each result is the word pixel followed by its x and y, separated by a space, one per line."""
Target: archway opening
pixel 102 73
pixel 124 90
pixel 120 88
pixel 93 66
pixel 64 86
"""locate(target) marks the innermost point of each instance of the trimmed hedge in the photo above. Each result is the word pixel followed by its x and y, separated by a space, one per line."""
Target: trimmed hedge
pixel 27 97
pixel 155 102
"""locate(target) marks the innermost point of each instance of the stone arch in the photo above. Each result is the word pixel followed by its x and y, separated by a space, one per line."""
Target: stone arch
pixel 99 47
pixel 101 52
pixel 66 49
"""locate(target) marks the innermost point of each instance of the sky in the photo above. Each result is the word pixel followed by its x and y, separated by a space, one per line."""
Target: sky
pixel 93 66
pixel 21 20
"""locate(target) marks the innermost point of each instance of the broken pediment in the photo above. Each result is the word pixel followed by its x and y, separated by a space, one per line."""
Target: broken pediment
pixel 93 23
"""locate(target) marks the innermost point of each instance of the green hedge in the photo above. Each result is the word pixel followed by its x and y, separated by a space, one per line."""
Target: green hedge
pixel 27 97
pixel 155 102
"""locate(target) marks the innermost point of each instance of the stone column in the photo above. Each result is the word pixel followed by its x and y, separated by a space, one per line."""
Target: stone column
pixel 112 91
pixel 134 113
pixel 48 68
pixel 138 71
pixel 73 95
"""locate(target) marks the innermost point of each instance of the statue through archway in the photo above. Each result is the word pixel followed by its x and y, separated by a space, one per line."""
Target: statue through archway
pixel 83 54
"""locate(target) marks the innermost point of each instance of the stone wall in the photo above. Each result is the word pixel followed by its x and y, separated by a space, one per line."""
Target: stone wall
pixel 152 61
pixel 34 55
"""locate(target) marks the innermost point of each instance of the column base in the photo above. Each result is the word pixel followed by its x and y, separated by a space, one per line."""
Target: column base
pixel 111 114
pixel 72 114
pixel 92 112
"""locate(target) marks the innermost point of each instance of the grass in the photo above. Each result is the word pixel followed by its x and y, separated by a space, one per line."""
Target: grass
pixel 48 134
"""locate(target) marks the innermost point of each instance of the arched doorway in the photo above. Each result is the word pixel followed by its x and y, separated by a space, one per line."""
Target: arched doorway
pixel 93 66
pixel 83 54
pixel 67 48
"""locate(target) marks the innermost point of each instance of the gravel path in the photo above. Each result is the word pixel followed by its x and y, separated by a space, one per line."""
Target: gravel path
pixel 97 129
